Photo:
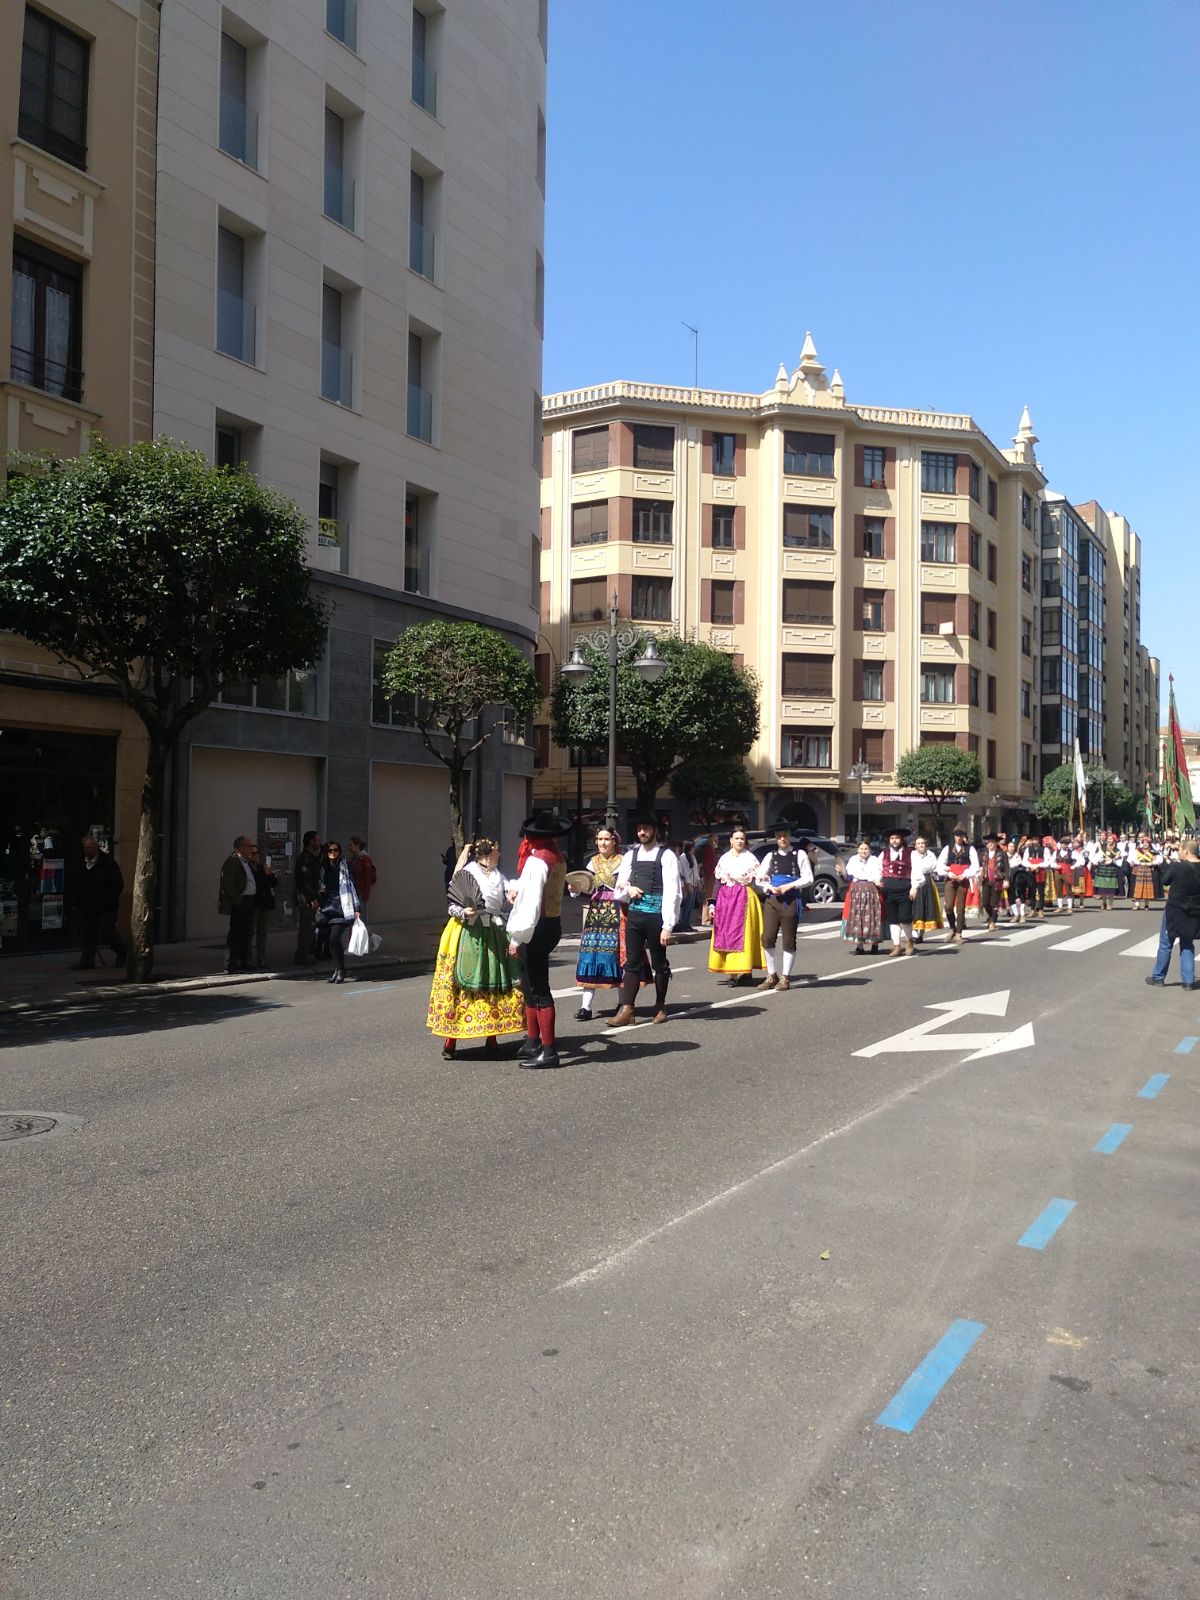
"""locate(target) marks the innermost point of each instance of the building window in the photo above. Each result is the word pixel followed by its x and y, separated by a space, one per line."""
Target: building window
pixel 872 683
pixel 872 611
pixel 937 472
pixel 1026 509
pixel 722 528
pixel 973 549
pixel 341 20
pixel 652 521
pixel 974 618
pixel 421 238
pixel 47 322
pixel 540 168
pixel 227 446
pixel 974 477
pixel 54 85
pixel 237 127
pixel 991 758
pixel 874 457
pixel 333 529
pixel 389 711
pixel 539 291
pixel 724 451
pixel 1026 636
pixel 991 630
pixel 589 449
pixel 872 536
pixel 1027 574
pixel 805 602
pixel 991 694
pixel 808 453
pixel 654 449
pixel 420 388
pixel 937 686
pixel 337 359
pixel 721 602
pixel 993 560
pixel 424 77
pixel 937 613
pixel 973 744
pixel 993 497
pixel 589 599
pixel 807 528
pixel 937 541
pixel 803 675
pixel 1051 674
pixel 1026 764
pixel 973 686
pixel 236 334
pixel 295 693
pixel 1026 703
pixel 803 747
pixel 418 541
pixel 651 600
pixel 339 185
pixel 589 523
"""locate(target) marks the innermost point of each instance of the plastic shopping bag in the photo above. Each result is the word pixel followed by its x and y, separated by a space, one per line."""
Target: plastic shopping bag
pixel 360 941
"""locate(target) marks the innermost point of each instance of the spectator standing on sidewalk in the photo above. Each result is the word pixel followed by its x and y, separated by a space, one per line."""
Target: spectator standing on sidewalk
pixel 340 908
pixel 266 883
pixel 1181 917
pixel 97 895
pixel 689 878
pixel 362 868
pixel 237 900
pixel 306 895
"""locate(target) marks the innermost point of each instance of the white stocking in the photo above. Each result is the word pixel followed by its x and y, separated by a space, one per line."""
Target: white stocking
pixel 894 930
pixel 789 959
pixel 586 998
pixel 770 955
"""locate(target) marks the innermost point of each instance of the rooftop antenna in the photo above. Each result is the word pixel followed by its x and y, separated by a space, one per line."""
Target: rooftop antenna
pixel 695 333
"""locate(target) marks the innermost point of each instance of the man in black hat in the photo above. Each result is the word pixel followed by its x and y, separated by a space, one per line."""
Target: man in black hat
pixel 648 882
pixel 993 878
pixel 534 929
pixel 784 873
pixel 896 869
pixel 958 864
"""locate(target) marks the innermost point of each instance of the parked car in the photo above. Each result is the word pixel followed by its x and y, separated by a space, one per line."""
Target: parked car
pixel 825 854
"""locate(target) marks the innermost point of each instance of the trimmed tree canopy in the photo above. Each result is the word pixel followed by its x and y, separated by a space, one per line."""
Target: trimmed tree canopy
pixel 936 771
pixel 1058 791
pixel 710 784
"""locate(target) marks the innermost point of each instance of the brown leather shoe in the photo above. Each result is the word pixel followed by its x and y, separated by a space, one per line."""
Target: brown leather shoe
pixel 908 947
pixel 621 1018
pixel 660 1016
pixel 783 985
pixel 895 951
pixel 769 982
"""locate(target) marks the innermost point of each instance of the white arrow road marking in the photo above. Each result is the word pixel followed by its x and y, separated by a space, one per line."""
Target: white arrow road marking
pixel 1144 948
pixel 925 1035
pixel 1089 941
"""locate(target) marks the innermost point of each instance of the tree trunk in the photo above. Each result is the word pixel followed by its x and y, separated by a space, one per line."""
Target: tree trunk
pixel 145 872
pixel 455 769
pixel 935 806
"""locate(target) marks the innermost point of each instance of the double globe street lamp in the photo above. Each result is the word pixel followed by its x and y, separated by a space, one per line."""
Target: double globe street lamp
pixel 615 644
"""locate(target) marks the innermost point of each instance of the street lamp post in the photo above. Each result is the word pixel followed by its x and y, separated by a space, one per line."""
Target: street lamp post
pixel 616 644
pixel 860 771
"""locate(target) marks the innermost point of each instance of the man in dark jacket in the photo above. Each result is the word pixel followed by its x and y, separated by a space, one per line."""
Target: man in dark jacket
pixel 97 895
pixel 1181 918
pixel 236 901
pixel 306 893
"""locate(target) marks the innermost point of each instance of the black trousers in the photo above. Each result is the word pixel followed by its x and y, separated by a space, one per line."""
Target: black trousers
pixel 642 941
pixel 241 931
pixel 99 928
pixel 535 975
pixel 990 897
pixel 1021 885
pixel 780 916
pixel 897 907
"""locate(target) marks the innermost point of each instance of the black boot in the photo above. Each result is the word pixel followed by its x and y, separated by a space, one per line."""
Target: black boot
pixel 547 1056
pixel 662 982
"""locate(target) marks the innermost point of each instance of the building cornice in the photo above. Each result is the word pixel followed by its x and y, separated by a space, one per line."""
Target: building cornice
pixel 421 602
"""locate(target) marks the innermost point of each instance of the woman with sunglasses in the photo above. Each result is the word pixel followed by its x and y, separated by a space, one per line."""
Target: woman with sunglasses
pixel 340 908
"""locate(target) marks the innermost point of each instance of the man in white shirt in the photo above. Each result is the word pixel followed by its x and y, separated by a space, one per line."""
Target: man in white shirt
pixel 958 864
pixel 648 883
pixel 689 878
pixel 236 901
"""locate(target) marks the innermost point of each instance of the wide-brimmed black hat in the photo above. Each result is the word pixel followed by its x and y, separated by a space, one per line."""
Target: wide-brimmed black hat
pixel 991 838
pixel 959 829
pixel 781 825
pixel 643 819
pixel 903 833
pixel 545 825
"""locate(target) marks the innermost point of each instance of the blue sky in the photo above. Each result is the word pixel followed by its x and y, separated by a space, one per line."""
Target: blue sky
pixel 973 206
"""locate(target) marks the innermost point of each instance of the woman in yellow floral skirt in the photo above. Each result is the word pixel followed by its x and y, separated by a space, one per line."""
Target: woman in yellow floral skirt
pixel 476 983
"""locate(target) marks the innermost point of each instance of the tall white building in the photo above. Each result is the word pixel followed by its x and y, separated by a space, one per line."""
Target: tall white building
pixel 349 299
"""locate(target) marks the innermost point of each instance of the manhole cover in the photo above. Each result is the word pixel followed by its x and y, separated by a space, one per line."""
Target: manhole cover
pixel 19 1125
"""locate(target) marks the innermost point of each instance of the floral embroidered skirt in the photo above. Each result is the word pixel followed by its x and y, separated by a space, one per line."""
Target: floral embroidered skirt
pixel 481 956
pixel 862 913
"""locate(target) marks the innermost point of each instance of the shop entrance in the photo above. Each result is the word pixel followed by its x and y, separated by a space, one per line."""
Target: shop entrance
pixel 54 788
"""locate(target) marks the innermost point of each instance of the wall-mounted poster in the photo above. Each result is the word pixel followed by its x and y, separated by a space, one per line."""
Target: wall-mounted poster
pixel 51 881
pixel 52 911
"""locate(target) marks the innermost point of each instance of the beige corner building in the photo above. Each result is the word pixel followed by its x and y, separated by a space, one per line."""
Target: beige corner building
pixel 77 191
pixel 879 568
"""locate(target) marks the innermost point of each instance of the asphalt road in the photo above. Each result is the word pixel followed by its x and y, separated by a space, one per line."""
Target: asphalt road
pixel 726 1308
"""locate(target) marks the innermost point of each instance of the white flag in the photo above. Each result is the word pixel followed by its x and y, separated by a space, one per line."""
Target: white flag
pixel 1080 778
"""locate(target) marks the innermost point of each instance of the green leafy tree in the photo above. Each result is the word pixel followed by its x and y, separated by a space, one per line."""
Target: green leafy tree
pixel 702 705
pixel 147 568
pixel 711 784
pixel 1058 800
pixel 456 670
pixel 936 771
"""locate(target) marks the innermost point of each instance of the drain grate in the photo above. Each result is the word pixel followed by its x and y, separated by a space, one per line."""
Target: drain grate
pixel 21 1125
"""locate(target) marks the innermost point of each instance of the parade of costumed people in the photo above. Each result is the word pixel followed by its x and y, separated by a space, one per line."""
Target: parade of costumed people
pixel 1145 859
pixel 895 865
pixel 1106 876
pixel 862 910
pixel 476 992
pixel 783 876
pixel 737 947
pixel 535 928
pixel 649 885
pixel 958 866
pixel 601 963
pixel 926 901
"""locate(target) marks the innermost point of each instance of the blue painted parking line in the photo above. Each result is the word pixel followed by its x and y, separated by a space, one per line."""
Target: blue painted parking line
pixel 1186 1046
pixel 1039 1233
pixel 1112 1138
pixel 914 1398
pixel 1154 1086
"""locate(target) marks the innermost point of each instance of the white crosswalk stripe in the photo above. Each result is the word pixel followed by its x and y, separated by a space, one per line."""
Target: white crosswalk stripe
pixel 561 994
pixel 1144 948
pixel 1089 941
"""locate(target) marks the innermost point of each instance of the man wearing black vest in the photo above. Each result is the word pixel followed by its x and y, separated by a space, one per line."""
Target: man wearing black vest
pixel 958 864
pixel 896 865
pixel 648 883
pixel 785 872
